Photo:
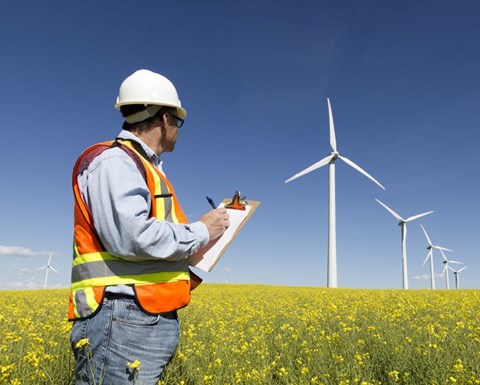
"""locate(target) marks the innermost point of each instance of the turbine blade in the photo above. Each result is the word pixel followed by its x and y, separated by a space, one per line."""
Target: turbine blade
pixel 55 270
pixel 426 236
pixel 314 166
pixel 426 259
pixel 412 218
pixel 333 140
pixel 391 211
pixel 457 262
pixel 360 170
pixel 444 269
pixel 463 268
pixel 443 255
pixel 441 248
pixel 42 268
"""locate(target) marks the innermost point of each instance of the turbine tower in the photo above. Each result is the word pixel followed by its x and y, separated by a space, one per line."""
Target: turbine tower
pixel 446 261
pixel 330 160
pixel 403 223
pixel 47 267
pixel 457 276
pixel 430 248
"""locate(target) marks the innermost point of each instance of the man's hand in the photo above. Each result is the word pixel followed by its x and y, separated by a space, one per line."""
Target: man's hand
pixel 216 221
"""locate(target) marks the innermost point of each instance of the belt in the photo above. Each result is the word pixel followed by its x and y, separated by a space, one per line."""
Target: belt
pixel 109 295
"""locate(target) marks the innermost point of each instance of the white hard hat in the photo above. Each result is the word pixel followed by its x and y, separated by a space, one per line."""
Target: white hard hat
pixel 147 87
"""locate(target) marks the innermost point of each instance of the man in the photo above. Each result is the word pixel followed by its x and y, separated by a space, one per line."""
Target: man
pixel 131 243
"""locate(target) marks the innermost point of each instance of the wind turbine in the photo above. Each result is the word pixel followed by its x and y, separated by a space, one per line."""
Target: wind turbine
pixel 330 160
pixel 47 267
pixel 403 223
pixel 446 261
pixel 430 248
pixel 457 276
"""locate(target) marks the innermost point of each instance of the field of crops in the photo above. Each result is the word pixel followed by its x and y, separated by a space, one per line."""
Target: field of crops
pixel 249 334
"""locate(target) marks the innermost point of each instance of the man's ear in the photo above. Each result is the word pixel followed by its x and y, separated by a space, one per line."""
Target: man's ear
pixel 165 118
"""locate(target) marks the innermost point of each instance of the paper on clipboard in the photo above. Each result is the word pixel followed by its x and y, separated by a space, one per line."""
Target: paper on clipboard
pixel 207 257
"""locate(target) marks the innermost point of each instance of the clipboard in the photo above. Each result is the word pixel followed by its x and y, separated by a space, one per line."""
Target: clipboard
pixel 207 257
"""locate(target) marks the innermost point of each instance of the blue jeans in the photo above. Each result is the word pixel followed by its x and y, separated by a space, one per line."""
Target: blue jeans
pixel 121 334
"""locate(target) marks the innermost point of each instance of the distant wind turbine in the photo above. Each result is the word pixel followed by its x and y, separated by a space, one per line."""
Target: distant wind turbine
pixel 403 224
pixel 446 262
pixel 47 267
pixel 457 276
pixel 430 248
pixel 330 160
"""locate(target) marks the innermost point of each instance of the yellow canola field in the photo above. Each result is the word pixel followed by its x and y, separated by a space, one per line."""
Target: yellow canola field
pixel 253 334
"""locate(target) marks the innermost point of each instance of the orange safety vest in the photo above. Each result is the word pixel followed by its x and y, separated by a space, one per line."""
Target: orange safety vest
pixel 159 285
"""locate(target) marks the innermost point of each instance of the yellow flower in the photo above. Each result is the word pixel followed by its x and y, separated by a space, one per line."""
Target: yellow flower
pixel 82 343
pixel 7 368
pixel 135 365
pixel 458 367
pixel 394 375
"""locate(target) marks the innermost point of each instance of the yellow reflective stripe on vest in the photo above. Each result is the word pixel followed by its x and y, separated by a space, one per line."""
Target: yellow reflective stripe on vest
pixel 91 257
pixel 85 305
pixel 163 197
pixel 104 266
pixel 133 279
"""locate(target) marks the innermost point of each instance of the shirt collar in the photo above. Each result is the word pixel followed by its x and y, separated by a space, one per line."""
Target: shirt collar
pixel 127 135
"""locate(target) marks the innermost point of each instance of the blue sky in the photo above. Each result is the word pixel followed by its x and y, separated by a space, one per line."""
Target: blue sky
pixel 403 79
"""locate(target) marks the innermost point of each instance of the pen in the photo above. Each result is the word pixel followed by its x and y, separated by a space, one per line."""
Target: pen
pixel 210 201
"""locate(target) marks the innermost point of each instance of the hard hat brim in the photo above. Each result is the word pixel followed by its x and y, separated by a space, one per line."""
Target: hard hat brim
pixel 181 112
